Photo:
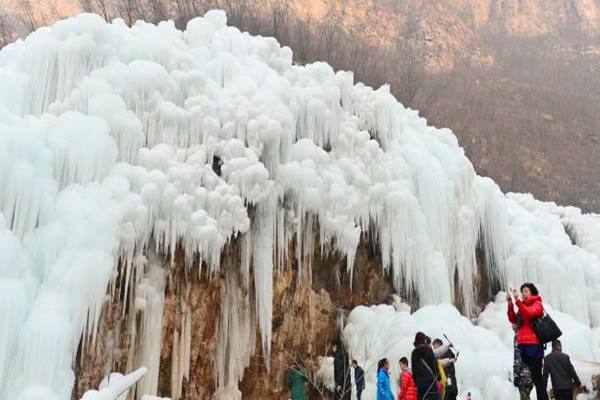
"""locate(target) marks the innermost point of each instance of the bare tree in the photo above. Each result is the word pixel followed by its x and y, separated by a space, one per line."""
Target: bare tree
pixel 309 368
pixel 33 19
pixel 53 11
pixel 5 31
pixel 100 7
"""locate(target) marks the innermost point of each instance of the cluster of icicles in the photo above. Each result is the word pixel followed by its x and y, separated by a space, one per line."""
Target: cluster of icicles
pixel 120 142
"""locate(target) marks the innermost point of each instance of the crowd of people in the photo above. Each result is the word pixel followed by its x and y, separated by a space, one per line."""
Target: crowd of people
pixel 433 375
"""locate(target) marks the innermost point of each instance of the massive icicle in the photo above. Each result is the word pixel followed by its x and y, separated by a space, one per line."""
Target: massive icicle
pixel 117 142
pixel 236 339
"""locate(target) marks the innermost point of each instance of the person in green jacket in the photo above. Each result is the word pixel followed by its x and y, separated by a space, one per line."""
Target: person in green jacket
pixel 296 384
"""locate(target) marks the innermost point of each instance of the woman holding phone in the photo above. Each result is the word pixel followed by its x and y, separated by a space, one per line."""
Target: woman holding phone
pixel 532 352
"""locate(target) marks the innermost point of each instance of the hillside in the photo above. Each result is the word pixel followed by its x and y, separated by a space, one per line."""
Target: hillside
pixel 516 81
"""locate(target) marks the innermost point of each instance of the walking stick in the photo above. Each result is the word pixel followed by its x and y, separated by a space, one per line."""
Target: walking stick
pixel 450 341
pixel 435 379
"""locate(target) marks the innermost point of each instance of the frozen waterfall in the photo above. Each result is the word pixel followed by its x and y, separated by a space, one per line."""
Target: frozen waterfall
pixel 120 142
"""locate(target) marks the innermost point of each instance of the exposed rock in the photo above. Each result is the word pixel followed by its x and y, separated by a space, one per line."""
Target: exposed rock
pixel 308 309
pixel 109 352
pixel 305 319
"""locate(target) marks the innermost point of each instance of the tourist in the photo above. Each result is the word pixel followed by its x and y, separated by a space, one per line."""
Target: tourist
pixel 446 359
pixel 530 347
pixel 296 384
pixel 384 388
pixel 341 372
pixel 408 390
pixel 359 379
pixel 562 373
pixel 423 367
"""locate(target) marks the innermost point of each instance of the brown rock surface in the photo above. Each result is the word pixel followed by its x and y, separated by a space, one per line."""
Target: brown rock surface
pixel 307 306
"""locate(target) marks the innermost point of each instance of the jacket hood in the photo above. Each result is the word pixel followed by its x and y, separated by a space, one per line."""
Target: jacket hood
pixel 532 299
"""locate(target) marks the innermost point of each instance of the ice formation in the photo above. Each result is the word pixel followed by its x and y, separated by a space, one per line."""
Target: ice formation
pixel 484 365
pixel 118 143
pixel 542 252
pixel 115 386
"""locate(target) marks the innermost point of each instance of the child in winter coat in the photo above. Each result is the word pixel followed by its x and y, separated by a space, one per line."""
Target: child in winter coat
pixel 384 389
pixel 408 390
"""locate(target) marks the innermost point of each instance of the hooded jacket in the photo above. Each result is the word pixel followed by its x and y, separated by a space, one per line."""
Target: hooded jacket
pixel 529 310
pixel 408 390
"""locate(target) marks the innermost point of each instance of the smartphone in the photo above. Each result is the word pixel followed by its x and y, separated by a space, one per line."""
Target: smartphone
pixel 510 287
pixel 510 292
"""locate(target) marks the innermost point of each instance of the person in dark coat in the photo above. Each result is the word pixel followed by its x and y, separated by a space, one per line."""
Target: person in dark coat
pixel 564 378
pixel 341 372
pixel 532 351
pixel 423 369
pixel 359 378
pixel 447 359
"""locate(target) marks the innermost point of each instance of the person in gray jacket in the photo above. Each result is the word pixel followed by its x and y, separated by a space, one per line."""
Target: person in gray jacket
pixel 558 365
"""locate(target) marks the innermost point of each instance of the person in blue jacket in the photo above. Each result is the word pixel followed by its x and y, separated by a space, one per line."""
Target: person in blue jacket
pixel 384 389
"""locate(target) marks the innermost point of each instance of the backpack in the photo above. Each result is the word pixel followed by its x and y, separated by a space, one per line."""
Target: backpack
pixel 546 329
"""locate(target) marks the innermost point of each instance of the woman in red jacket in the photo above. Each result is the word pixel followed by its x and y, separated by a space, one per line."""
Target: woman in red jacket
pixel 532 351
pixel 408 390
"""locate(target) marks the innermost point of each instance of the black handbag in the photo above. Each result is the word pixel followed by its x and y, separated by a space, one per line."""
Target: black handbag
pixel 546 329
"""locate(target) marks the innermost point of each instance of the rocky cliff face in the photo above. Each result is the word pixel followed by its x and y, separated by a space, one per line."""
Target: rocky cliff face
pixel 447 31
pixel 308 308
